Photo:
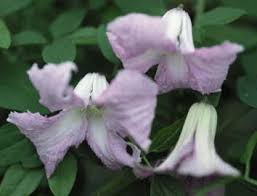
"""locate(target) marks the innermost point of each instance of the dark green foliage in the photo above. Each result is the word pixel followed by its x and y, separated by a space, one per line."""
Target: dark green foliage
pixel 58 30
pixel 166 186
pixel 61 182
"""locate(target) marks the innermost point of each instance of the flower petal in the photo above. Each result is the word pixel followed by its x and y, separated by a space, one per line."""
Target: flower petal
pixel 142 171
pixel 172 73
pixel 90 87
pixel 98 139
pixel 52 82
pixel 118 147
pixel 129 105
pixel 52 136
pixel 203 70
pixel 209 66
pixel 107 145
pixel 179 29
pixel 138 40
pixel 185 144
pixel 204 160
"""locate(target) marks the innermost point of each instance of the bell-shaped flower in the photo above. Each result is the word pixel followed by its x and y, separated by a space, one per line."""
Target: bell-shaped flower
pixel 102 114
pixel 142 41
pixel 195 154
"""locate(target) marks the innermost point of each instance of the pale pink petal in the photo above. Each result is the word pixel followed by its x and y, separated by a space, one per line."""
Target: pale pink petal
pixel 108 146
pixel 194 166
pixel 172 73
pixel 185 143
pixel 139 40
pixel 129 106
pixel 98 139
pixel 208 67
pixel 52 82
pixel 118 147
pixel 142 171
pixel 52 136
pixel 203 70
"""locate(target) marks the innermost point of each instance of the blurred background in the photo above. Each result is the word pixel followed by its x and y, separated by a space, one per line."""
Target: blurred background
pixel 33 31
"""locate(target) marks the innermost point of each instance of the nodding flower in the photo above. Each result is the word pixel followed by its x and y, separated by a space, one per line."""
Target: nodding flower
pixel 195 154
pixel 102 114
pixel 142 41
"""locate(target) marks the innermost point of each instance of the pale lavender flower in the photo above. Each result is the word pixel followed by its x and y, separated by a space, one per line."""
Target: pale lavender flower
pixel 142 41
pixel 103 114
pixel 194 153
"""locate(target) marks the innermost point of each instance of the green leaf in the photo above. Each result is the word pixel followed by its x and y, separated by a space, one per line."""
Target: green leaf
pixel 5 35
pixel 28 38
pixel 31 161
pixel 10 6
pixel 249 64
pixel 19 181
pixel 247 156
pixel 96 4
pixel 59 51
pixel 9 135
pixel 105 46
pixel 166 186
pixel 248 5
pixel 109 14
pixel 100 179
pixel 18 92
pixel 240 188
pixel 84 36
pixel 237 122
pixel 247 91
pixel 116 184
pixel 234 34
pixel 2 171
pixel 14 147
pixel 213 185
pixel 214 98
pixel 61 182
pixel 67 22
pixel 166 137
pixel 152 7
pixel 219 16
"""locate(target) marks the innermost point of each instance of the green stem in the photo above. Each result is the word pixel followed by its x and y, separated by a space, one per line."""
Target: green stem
pixel 247 170
pixel 146 160
pixel 115 70
pixel 199 9
pixel 205 99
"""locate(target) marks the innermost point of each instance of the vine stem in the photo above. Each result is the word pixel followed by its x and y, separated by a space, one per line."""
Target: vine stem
pixel 200 5
pixel 146 160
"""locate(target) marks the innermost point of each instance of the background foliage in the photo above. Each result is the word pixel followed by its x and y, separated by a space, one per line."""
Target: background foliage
pixel 59 30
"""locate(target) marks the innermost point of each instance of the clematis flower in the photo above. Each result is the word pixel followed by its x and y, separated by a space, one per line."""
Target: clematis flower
pixel 142 41
pixel 194 153
pixel 103 114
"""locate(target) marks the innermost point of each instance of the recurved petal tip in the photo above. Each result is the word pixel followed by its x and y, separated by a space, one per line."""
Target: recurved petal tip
pixel 52 82
pixel 52 136
pixel 138 40
pixel 209 66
